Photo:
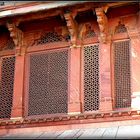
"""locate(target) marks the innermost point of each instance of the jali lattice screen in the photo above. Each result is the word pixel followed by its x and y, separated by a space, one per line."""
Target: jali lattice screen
pixel 91 78
pixel 48 83
pixel 122 74
pixel 6 86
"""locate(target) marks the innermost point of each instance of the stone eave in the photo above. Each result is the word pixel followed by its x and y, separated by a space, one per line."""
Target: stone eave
pixel 36 8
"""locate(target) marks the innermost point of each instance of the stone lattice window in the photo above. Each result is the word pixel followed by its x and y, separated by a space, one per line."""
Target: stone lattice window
pixel 122 74
pixel 6 86
pixel 48 83
pixel 91 78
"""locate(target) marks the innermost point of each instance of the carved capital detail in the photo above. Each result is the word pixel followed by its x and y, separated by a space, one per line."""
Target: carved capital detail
pixel 103 24
pixel 72 28
pixel 17 35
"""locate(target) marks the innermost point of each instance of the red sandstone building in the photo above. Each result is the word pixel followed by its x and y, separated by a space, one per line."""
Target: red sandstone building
pixel 68 63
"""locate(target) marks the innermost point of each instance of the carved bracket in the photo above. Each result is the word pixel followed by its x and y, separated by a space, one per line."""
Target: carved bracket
pixel 82 31
pixel 103 24
pixel 72 28
pixel 17 35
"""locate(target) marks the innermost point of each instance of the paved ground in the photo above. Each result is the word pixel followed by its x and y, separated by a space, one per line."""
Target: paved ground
pixel 117 132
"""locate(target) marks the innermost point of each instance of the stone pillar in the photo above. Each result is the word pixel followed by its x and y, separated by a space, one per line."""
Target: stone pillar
pixel 134 35
pixel 74 81
pixel 105 78
pixel 104 64
pixel 17 108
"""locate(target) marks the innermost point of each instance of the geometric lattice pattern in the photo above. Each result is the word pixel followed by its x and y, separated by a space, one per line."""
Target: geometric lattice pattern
pixel 122 74
pixel 120 28
pixel 89 34
pixel 91 78
pixel 6 86
pixel 50 37
pixel 48 83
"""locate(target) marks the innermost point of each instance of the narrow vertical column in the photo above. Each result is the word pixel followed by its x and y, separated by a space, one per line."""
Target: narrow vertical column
pixel 74 76
pixel 74 81
pixel 17 36
pixel 134 35
pixel 105 59
pixel 17 108
pixel 105 78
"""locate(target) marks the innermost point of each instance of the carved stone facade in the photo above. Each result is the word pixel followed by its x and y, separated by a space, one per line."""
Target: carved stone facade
pixel 68 65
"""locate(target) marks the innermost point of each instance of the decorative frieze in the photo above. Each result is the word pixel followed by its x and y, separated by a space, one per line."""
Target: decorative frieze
pixel 56 35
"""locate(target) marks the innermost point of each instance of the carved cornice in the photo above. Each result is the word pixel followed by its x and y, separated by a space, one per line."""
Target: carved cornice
pixel 69 119
pixel 103 24
pixel 17 35
pixel 48 12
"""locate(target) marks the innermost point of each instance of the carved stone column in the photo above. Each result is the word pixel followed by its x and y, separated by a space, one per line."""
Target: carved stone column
pixel 105 65
pixel 105 77
pixel 134 35
pixel 17 36
pixel 74 105
pixel 17 109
